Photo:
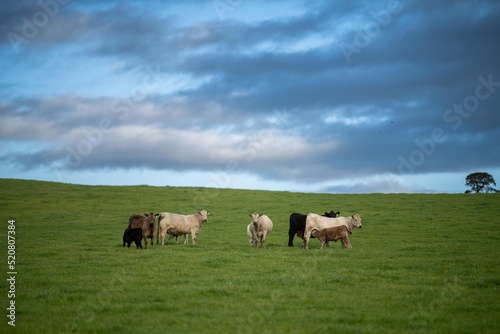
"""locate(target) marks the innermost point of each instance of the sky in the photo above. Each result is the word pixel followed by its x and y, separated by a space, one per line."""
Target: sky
pixel 325 96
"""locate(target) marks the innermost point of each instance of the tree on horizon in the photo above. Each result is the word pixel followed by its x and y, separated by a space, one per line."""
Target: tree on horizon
pixel 480 181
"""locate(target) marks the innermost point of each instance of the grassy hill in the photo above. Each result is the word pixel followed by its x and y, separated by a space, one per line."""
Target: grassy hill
pixel 421 263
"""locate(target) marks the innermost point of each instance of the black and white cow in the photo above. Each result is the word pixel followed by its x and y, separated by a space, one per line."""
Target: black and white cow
pixel 298 224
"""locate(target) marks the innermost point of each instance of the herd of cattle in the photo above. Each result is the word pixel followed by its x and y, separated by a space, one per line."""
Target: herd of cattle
pixel 326 228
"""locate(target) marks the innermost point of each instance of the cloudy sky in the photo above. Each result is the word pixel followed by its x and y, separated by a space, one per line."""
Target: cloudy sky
pixel 324 96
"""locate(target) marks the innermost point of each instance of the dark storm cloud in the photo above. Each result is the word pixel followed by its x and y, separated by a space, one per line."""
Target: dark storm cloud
pixel 366 88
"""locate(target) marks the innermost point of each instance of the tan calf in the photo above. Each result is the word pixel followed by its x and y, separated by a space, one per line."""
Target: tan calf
pixel 333 234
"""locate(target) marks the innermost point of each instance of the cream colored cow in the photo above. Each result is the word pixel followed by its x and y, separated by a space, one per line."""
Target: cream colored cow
pixel 176 224
pixel 258 229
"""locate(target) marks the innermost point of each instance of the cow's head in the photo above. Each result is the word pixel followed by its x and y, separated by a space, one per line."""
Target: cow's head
pixel 356 221
pixel 204 215
pixel 314 233
pixel 151 218
pixel 332 214
pixel 255 217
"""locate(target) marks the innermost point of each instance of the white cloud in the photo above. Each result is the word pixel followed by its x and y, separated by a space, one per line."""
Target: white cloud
pixel 355 116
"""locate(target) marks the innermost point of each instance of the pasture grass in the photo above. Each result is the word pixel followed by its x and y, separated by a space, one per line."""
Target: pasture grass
pixel 421 263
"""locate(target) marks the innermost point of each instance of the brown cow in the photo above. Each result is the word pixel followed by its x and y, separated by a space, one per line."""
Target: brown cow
pixel 146 223
pixel 333 234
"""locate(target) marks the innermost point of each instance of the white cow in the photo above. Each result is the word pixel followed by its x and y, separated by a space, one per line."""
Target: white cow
pixel 175 224
pixel 258 229
pixel 316 222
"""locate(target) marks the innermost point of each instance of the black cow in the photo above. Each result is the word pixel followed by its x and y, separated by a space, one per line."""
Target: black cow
pixel 132 234
pixel 298 224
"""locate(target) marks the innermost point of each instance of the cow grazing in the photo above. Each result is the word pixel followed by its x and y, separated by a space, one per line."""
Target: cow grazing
pixel 258 229
pixel 132 235
pixel 298 224
pixel 176 225
pixel 316 222
pixel 146 223
pixel 333 234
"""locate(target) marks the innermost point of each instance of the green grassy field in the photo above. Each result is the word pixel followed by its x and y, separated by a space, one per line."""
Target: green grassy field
pixel 421 263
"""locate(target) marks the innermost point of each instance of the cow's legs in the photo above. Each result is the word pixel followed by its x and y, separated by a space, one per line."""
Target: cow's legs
pixel 291 235
pixel 145 242
pixel 346 243
pixel 263 241
pixel 171 236
pixel 307 235
pixel 255 240
pixel 163 237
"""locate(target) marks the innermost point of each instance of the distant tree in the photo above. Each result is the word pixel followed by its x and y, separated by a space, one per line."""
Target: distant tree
pixel 480 181
pixel 492 190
